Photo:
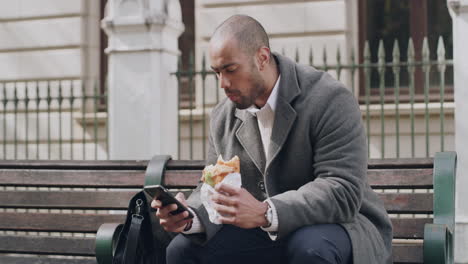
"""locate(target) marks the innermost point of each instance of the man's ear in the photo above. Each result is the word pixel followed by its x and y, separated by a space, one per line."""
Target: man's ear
pixel 263 57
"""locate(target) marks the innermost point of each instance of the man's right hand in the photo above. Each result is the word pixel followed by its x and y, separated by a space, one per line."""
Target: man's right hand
pixel 171 223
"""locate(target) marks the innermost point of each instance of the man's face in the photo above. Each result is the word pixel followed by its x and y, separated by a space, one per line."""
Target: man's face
pixel 237 73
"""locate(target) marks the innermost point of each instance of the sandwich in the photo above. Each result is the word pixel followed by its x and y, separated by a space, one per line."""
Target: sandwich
pixel 214 174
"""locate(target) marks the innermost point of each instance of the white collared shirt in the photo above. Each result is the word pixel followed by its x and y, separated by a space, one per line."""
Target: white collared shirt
pixel 265 119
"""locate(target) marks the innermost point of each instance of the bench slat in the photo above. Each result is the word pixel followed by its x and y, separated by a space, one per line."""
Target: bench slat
pixel 409 228
pixel 73 178
pixel 409 163
pixel 66 199
pixel 21 259
pixel 394 202
pixel 407 203
pixel 379 179
pixel 70 246
pixel 408 253
pixel 400 178
pixel 56 222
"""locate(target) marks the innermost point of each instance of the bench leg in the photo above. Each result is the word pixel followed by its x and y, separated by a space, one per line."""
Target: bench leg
pixel 106 241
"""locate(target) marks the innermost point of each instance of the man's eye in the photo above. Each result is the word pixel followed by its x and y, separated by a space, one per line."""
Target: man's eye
pixel 230 69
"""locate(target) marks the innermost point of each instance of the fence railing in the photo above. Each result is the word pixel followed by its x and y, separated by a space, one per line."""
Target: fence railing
pixel 406 100
pixel 53 119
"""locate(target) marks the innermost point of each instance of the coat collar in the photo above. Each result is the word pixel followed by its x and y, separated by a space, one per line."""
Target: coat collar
pixel 285 115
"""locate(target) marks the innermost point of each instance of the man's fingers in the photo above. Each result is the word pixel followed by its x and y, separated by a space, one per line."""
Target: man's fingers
pixel 181 197
pixel 163 212
pixel 222 209
pixel 219 198
pixel 156 204
pixel 229 189
pixel 227 220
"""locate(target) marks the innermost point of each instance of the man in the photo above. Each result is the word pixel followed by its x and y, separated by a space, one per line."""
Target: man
pixel 298 133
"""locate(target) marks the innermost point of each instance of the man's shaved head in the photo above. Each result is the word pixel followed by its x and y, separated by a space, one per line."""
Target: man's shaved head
pixel 248 32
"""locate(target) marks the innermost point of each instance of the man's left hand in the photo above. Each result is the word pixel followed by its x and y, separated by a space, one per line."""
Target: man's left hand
pixel 238 207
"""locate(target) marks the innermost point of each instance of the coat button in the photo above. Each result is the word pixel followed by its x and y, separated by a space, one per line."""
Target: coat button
pixel 261 185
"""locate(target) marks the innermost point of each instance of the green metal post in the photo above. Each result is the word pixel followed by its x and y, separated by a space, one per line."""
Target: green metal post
pixel 338 63
pixel 5 102
pixel 60 100
pixel 396 74
pixel 325 65
pixel 179 83
pixel 297 55
pixel 203 74
pixel 311 57
pixel 38 102
pixel 353 71
pixel 106 102
pixel 26 114
pixel 217 89
pixel 72 100
pixel 426 69
pixel 367 73
pixel 95 123
pixel 191 73
pixel 15 116
pixel 83 117
pixel 441 67
pixel 381 70
pixel 48 100
pixel 411 70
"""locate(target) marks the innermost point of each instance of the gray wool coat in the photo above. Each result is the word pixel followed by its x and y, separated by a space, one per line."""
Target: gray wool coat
pixel 317 169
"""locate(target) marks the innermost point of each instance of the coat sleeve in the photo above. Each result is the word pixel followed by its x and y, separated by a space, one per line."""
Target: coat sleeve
pixel 339 167
pixel 195 203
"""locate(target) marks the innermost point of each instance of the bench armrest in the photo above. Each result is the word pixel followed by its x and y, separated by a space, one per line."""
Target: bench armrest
pixel 438 237
pixel 106 241
pixel 438 244
pixel 445 164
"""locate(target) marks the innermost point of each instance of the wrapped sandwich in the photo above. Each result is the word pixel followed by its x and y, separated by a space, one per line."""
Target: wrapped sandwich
pixel 227 172
pixel 214 174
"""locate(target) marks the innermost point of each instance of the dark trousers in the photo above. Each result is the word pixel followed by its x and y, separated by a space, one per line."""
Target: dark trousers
pixel 315 244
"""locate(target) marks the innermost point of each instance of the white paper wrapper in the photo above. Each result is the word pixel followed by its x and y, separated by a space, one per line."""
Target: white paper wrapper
pixel 233 179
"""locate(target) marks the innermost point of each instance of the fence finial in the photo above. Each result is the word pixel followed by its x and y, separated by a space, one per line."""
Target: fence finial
pixel 441 54
pixel 425 52
pixel 410 55
pixel 381 56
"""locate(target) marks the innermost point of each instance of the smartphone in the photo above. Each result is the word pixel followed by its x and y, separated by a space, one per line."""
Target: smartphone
pixel 160 193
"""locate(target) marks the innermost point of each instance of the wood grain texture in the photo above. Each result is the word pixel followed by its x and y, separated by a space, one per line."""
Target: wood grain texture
pixel 407 203
pixel 66 199
pixel 71 246
pixel 408 253
pixel 49 222
pixel 33 259
pixel 409 228
pixel 73 178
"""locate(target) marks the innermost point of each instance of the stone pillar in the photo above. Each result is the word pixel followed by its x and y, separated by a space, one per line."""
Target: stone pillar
pixel 459 12
pixel 143 52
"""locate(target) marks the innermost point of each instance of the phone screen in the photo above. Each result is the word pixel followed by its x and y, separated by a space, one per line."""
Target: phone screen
pixel 158 192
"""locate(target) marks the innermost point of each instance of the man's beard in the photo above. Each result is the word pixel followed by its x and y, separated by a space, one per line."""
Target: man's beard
pixel 246 102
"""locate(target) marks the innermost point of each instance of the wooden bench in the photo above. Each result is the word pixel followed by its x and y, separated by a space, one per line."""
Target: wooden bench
pixel 52 225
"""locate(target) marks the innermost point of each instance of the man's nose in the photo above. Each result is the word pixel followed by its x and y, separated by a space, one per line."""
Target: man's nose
pixel 224 82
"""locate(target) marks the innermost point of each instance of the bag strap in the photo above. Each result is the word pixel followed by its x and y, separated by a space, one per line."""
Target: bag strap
pixel 132 239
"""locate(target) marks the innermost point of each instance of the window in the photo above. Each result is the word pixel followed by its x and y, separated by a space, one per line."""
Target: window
pixel 389 20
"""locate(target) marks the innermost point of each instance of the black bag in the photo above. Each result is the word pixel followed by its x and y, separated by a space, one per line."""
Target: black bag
pixel 142 240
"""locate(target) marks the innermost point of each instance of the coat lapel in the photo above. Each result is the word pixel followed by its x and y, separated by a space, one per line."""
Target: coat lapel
pixel 248 135
pixel 285 115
